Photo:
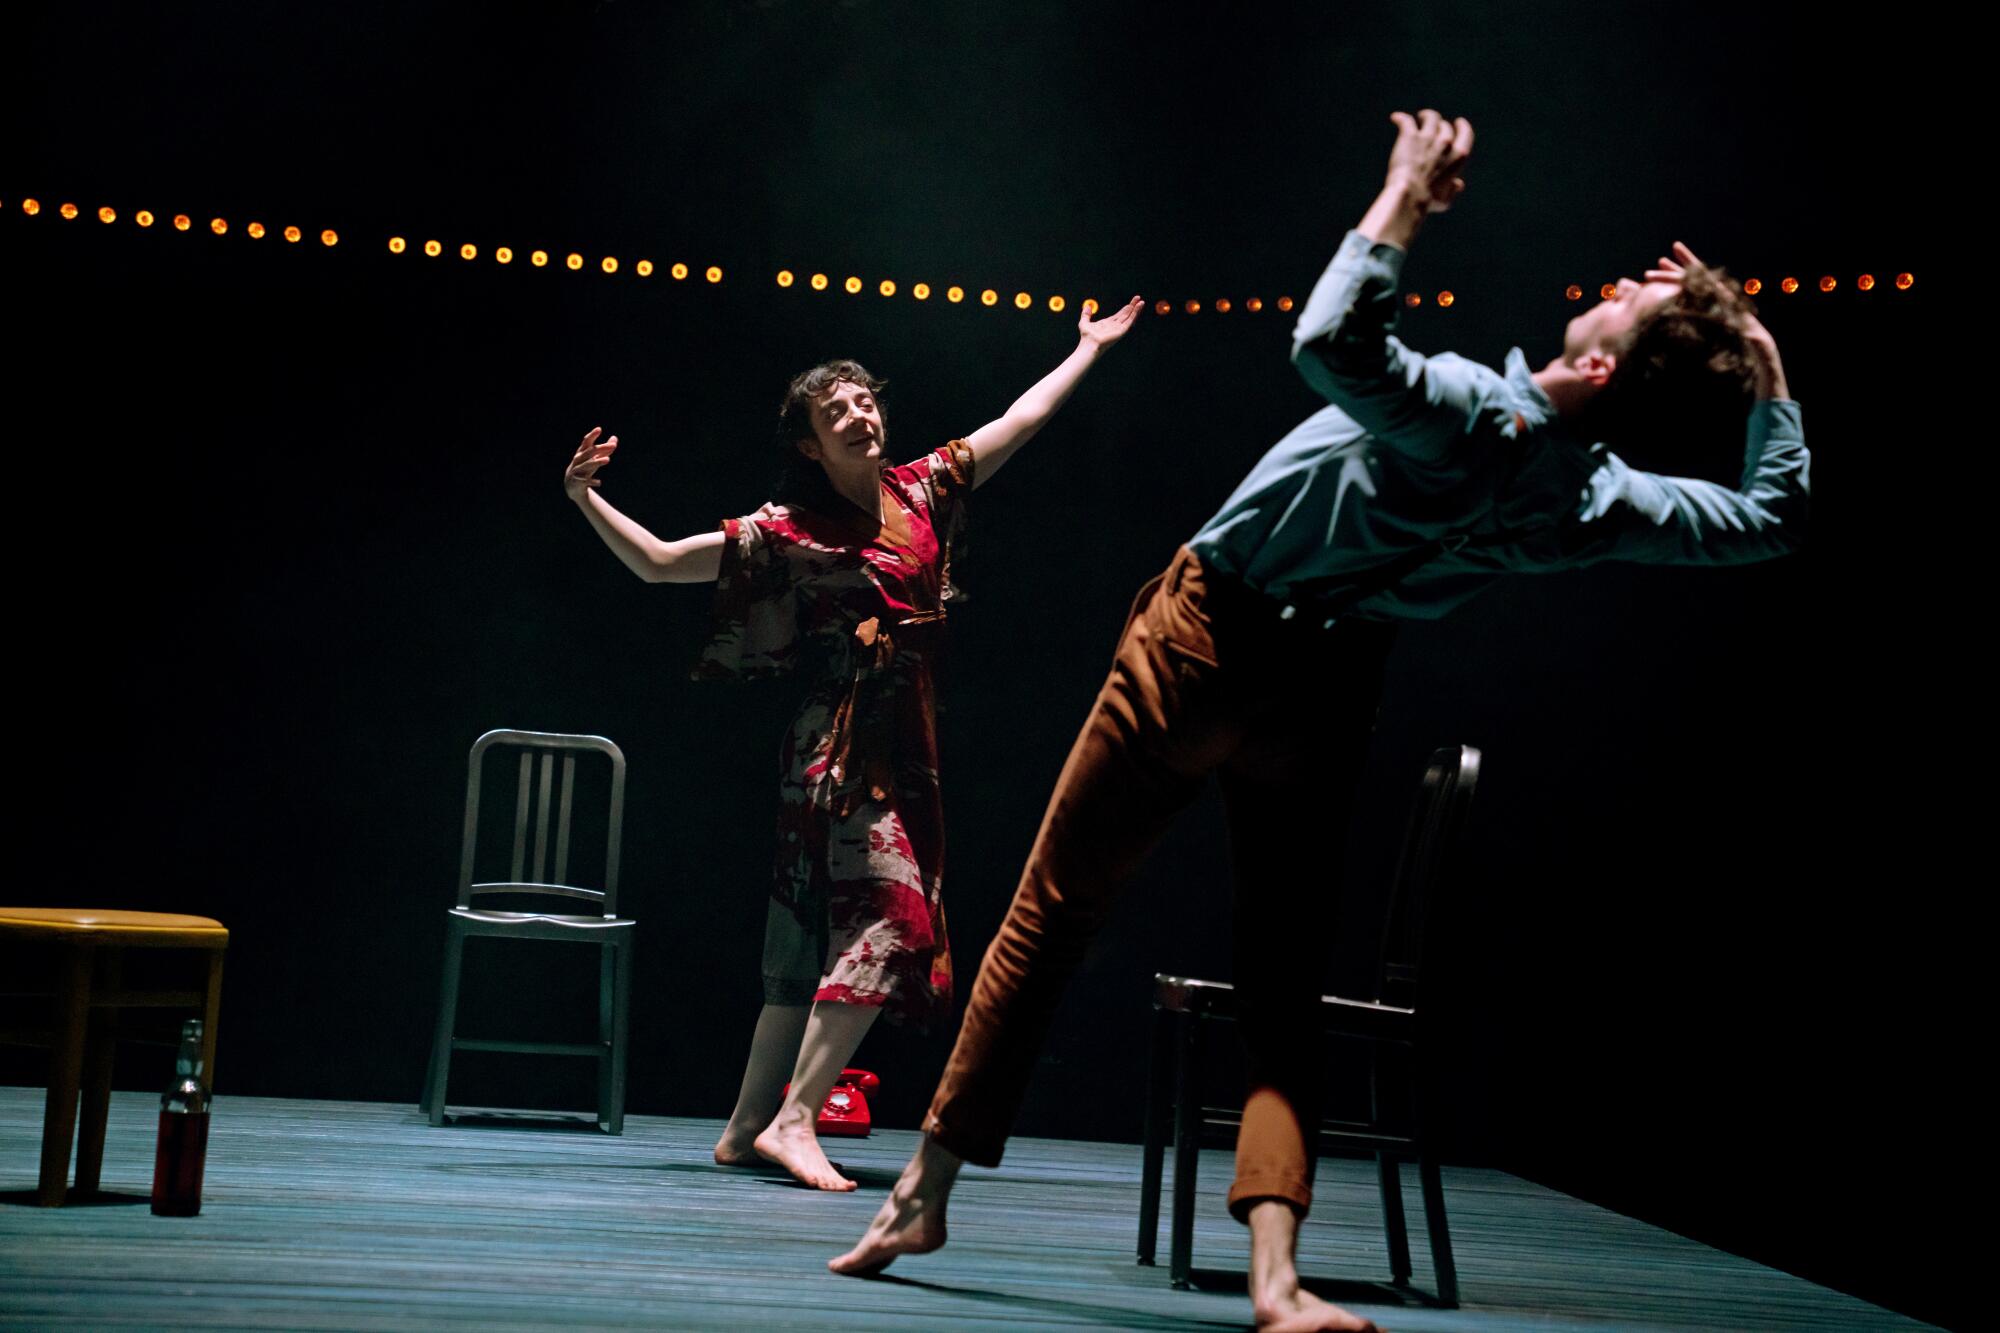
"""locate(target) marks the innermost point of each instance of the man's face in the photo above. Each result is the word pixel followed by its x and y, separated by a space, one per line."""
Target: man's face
pixel 847 426
pixel 1608 326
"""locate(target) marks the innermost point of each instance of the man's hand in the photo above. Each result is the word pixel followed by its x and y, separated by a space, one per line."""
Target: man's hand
pixel 1762 347
pixel 1423 178
pixel 1430 151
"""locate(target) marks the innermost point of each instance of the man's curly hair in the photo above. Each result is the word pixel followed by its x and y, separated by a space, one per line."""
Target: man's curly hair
pixel 1678 397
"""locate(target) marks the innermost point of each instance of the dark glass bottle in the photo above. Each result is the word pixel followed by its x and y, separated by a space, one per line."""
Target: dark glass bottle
pixel 183 1142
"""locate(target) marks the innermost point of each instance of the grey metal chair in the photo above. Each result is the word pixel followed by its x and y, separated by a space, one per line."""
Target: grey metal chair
pixel 1387 1021
pixel 612 934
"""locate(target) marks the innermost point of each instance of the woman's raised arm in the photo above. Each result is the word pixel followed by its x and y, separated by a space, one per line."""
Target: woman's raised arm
pixel 696 559
pixel 995 442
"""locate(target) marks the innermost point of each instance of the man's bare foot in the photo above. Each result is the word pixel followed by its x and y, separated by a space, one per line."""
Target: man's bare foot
pixel 796 1148
pixel 1297 1311
pixel 911 1219
pixel 1280 1305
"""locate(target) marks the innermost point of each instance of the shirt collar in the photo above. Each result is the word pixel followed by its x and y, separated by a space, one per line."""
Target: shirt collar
pixel 1532 403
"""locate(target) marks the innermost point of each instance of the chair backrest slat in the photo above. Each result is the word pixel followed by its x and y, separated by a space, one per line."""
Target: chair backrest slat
pixel 548 769
pixel 561 874
pixel 521 816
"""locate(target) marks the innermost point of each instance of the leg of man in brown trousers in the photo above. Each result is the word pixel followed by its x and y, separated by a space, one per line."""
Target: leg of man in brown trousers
pixel 1198 686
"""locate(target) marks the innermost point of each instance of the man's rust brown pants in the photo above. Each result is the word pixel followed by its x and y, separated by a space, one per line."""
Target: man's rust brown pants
pixel 1207 679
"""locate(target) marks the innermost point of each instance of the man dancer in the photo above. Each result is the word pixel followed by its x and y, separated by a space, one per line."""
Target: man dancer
pixel 1258 655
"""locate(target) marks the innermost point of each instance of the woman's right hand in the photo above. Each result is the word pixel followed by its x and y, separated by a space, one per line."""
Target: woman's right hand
pixel 590 456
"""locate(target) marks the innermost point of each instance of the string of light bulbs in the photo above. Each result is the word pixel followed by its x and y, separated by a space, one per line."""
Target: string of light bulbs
pixel 954 294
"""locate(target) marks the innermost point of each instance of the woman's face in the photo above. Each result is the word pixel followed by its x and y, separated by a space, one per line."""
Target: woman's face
pixel 848 434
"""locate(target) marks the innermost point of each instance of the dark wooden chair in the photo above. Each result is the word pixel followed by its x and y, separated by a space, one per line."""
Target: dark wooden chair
pixel 80 954
pixel 1386 1022
pixel 612 934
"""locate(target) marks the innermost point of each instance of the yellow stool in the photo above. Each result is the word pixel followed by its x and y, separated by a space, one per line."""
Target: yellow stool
pixel 88 947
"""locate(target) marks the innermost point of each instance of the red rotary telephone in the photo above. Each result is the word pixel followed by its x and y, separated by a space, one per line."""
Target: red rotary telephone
pixel 845 1115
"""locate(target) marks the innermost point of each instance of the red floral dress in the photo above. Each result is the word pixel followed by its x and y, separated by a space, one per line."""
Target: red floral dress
pixel 856 913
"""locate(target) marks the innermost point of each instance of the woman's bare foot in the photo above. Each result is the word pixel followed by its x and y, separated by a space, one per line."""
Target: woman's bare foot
pixel 911 1219
pixel 734 1149
pixel 1275 1296
pixel 796 1148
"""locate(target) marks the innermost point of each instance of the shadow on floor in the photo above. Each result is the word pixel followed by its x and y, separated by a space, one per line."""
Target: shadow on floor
pixel 76 1199
pixel 1115 1317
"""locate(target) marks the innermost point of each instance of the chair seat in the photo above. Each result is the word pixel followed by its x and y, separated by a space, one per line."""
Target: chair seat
pixel 1217 999
pixel 493 918
pixel 95 925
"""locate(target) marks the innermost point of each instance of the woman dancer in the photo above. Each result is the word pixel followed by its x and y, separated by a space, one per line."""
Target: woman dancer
pixel 844 578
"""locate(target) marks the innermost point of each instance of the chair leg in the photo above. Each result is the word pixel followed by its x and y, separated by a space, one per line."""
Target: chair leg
pixel 97 1048
pixel 615 996
pixel 1187 1149
pixel 1159 1088
pixel 211 1017
pixel 1389 1172
pixel 65 1078
pixel 1440 1231
pixel 454 957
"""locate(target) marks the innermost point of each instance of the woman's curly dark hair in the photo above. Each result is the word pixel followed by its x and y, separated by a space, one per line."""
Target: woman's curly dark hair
pixel 1678 397
pixel 801 481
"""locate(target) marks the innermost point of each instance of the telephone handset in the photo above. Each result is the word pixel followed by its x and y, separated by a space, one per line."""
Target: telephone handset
pixel 845 1114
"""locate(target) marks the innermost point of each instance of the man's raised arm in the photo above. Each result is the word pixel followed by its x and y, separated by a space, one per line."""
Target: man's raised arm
pixel 1343 345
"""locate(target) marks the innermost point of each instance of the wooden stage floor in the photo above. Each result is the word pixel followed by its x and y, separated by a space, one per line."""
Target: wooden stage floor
pixel 343 1215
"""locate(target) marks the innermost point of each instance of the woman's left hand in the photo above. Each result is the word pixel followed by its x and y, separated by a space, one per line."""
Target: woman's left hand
pixel 1106 331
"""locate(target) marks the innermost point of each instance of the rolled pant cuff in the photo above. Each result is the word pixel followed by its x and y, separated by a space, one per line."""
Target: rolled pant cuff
pixel 1250 1190
pixel 967 1148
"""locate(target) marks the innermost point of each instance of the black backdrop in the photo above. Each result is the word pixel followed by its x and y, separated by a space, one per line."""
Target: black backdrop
pixel 288 532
